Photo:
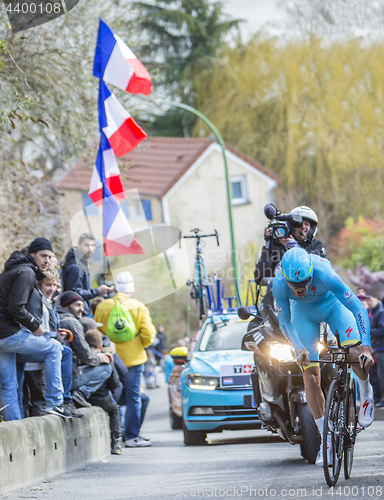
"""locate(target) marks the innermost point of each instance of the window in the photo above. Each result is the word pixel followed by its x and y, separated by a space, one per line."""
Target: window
pixel 147 209
pixel 133 210
pixel 239 190
pixel 219 335
pixel 88 206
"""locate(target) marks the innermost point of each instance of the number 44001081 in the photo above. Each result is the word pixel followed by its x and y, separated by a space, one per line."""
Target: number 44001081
pixel 356 491
pixel 35 8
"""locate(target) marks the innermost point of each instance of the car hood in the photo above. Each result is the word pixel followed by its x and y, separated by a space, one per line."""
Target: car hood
pixel 208 363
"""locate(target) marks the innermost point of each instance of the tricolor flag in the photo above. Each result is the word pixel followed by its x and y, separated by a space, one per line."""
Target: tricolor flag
pixel 117 64
pixel 105 172
pixel 119 238
pixel 121 130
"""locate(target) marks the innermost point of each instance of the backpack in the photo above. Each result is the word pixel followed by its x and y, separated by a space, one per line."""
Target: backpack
pixel 121 327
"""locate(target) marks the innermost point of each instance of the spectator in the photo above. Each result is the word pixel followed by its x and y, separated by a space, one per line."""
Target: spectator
pixel 103 396
pixel 301 235
pixel 75 271
pixel 95 302
pixel 33 388
pixel 90 369
pixel 22 333
pixel 149 371
pixel 161 335
pixel 376 323
pixel 41 307
pixel 131 352
pixel 168 362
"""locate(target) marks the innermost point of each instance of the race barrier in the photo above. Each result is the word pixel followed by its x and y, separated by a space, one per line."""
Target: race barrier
pixel 41 447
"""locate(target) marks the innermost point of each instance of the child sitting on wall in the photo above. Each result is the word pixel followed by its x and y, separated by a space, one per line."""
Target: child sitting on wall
pixel 103 396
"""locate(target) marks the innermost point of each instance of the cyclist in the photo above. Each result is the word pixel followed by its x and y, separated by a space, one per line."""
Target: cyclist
pixel 308 291
pixel 302 236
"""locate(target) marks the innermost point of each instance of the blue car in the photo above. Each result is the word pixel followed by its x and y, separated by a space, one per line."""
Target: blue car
pixel 210 390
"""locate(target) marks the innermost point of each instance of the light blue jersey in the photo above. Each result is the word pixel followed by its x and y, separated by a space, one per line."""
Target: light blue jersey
pixel 328 299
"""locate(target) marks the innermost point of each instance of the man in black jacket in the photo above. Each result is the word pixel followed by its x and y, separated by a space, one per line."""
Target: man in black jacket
pixel 303 236
pixel 90 369
pixel 21 332
pixel 75 272
pixel 376 325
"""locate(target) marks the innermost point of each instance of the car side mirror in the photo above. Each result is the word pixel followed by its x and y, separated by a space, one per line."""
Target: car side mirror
pixel 179 355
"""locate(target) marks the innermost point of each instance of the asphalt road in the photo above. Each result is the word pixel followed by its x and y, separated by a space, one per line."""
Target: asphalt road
pixel 242 464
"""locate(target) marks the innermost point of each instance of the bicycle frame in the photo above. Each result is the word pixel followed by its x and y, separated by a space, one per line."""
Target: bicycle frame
pixel 201 283
pixel 337 418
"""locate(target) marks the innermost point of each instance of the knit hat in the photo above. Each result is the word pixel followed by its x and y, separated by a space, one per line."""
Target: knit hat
pixel 40 244
pixel 124 283
pixel 69 297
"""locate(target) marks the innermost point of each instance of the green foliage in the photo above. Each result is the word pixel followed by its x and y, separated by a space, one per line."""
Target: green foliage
pixel 369 254
pixel 180 34
pixel 359 242
pixel 310 111
pixel 48 94
pixel 48 114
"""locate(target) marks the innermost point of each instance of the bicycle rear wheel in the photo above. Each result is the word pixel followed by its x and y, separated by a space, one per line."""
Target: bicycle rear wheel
pixel 332 423
pixel 351 425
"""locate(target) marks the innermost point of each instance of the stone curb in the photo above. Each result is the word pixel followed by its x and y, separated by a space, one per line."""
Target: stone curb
pixel 41 447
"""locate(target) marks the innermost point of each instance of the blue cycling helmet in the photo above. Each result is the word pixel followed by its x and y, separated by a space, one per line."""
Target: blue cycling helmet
pixel 297 268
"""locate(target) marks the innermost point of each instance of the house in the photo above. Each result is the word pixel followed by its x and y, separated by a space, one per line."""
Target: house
pixel 180 182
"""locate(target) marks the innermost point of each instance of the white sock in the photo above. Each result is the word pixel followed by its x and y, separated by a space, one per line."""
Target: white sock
pixel 366 390
pixel 320 425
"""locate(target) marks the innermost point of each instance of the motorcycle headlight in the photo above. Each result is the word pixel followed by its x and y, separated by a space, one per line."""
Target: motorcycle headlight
pixel 281 352
pixel 203 382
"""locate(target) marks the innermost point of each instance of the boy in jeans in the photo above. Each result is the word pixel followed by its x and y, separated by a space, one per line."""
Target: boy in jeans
pixel 103 396
pixel 41 307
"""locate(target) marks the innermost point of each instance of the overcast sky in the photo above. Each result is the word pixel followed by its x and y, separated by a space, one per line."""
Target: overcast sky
pixel 256 12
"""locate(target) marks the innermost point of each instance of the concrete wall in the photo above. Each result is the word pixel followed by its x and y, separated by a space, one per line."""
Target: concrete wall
pixel 37 448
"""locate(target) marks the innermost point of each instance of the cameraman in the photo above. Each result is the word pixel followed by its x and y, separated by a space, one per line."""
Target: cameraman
pixel 301 234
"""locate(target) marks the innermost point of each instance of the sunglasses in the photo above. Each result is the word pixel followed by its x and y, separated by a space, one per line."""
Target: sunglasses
pixel 300 284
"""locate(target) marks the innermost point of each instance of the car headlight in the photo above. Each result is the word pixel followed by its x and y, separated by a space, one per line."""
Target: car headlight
pixel 281 352
pixel 202 382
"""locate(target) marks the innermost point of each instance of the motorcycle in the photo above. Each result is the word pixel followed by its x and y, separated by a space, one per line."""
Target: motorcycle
pixel 277 380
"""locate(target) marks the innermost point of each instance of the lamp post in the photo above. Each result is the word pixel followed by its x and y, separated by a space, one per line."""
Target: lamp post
pixel 222 145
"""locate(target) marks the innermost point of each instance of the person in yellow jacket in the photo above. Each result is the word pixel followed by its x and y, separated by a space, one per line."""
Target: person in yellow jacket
pixel 132 353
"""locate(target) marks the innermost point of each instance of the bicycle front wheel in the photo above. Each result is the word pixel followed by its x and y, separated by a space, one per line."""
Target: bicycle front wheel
pixel 351 426
pixel 332 427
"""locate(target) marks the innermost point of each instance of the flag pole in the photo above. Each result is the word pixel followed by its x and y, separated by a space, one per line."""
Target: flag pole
pixel 102 230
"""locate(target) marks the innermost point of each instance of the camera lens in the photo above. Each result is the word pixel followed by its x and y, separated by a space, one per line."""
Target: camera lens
pixel 280 232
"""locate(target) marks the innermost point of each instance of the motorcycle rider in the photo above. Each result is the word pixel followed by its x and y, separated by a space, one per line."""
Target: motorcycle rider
pixel 269 263
pixel 308 291
pixel 303 237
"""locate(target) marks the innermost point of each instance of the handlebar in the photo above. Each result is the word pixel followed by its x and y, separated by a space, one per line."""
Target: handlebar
pixel 363 358
pixel 199 236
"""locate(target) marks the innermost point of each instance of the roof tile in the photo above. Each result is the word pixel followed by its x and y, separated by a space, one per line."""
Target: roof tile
pixel 155 165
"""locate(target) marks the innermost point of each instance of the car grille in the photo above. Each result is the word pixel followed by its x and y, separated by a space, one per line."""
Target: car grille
pixel 233 411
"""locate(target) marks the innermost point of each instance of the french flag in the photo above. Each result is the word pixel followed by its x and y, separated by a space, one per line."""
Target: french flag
pixel 121 130
pixel 116 63
pixel 119 239
pixel 105 172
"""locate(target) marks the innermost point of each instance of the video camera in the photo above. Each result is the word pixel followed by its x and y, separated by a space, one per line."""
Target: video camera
pixel 281 225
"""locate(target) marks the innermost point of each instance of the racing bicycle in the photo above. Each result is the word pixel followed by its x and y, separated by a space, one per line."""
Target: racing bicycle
pixel 340 417
pixel 200 290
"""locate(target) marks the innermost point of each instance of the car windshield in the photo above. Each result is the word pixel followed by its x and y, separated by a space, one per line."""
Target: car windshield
pixel 223 335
